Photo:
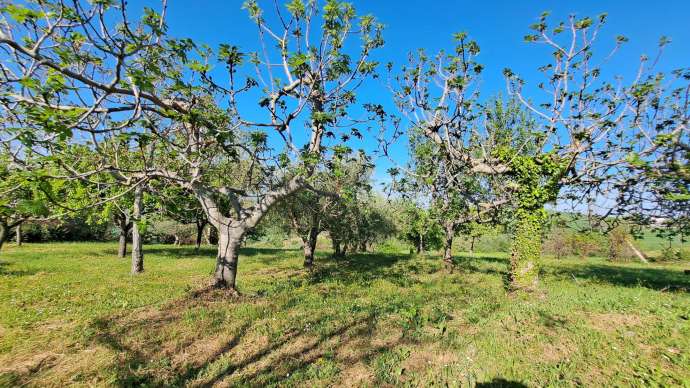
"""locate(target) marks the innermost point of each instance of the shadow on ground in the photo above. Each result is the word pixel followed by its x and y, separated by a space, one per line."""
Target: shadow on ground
pixel 242 353
pixel 655 278
pixel 174 252
pixel 5 271
pixel 501 383
pixel 364 268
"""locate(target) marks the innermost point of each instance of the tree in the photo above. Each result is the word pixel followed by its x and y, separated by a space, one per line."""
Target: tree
pixel 335 203
pixel 658 191
pixel 588 128
pixel 417 227
pixel 458 195
pixel 88 73
pixel 182 207
pixel 573 143
pixel 22 197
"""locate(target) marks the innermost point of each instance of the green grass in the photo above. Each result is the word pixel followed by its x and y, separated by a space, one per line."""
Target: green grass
pixel 72 314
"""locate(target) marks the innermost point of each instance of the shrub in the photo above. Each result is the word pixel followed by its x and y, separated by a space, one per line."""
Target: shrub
pixel 169 231
pixel 67 229
pixel 563 242
pixel 619 248
pixel 674 254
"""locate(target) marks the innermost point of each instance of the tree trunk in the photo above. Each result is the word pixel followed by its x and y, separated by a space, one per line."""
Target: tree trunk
pixel 137 251
pixel 18 231
pixel 448 248
pixel 122 245
pixel 3 233
pixel 363 246
pixel 212 235
pixel 472 244
pixel 420 244
pixel 337 252
pixel 199 234
pixel 310 247
pixel 124 231
pixel 526 253
pixel 229 241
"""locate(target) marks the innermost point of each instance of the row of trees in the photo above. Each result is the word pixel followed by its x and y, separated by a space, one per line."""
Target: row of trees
pixel 104 111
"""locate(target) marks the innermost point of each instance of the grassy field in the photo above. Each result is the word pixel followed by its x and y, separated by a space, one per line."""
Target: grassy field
pixel 72 314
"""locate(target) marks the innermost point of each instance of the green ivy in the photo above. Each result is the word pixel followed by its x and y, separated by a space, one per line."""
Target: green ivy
pixel 536 182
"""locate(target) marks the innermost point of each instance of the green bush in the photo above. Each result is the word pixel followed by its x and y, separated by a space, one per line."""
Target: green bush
pixel 563 242
pixel 68 229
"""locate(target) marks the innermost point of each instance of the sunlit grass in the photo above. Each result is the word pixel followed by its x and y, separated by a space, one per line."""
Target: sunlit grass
pixel 72 314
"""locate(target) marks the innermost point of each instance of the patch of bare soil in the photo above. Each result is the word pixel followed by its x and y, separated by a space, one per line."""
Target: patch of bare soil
pixel 428 357
pixel 611 322
pixel 558 351
pixel 31 365
pixel 355 375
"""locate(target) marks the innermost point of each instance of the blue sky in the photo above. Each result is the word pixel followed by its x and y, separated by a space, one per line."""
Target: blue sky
pixel 498 26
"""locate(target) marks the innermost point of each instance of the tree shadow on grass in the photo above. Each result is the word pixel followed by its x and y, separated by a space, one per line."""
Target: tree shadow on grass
pixel 501 383
pixel 5 271
pixel 146 345
pixel 364 268
pixel 618 275
pixel 207 252
pixel 653 278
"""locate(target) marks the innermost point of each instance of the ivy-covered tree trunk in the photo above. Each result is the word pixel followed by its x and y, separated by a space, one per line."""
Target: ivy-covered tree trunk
pixel 526 250
pixel 137 250
pixel 310 247
pixel 229 241
pixel 18 231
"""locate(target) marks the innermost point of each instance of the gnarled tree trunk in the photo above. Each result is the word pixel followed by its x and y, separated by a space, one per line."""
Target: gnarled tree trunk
pixel 137 251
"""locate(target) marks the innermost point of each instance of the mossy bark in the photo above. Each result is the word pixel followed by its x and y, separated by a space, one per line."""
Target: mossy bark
pixel 526 252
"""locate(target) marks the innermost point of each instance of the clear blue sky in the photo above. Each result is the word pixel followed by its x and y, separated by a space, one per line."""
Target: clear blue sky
pixel 497 25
